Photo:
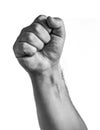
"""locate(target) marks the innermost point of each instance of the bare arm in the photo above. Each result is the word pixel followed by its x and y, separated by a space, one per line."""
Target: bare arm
pixel 54 107
pixel 38 49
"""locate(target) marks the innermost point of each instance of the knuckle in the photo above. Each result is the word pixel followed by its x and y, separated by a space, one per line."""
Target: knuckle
pixel 29 36
pixel 40 17
pixel 23 30
pixel 26 36
pixel 37 27
pixel 19 48
pixel 24 47
pixel 26 29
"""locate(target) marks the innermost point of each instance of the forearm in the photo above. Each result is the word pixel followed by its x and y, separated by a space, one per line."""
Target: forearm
pixel 54 108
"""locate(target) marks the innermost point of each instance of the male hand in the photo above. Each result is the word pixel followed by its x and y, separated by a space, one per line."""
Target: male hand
pixel 39 46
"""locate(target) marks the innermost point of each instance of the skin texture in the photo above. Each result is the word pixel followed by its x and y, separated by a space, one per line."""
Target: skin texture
pixel 38 49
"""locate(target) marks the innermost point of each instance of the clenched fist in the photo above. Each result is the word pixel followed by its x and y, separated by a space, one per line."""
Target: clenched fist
pixel 39 46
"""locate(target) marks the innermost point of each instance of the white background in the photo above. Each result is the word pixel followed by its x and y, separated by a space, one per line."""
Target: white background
pixel 80 60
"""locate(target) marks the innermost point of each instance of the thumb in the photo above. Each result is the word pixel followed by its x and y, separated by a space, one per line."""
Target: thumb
pixel 57 26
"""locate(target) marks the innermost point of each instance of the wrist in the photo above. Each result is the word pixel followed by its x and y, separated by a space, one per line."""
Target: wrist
pixel 50 71
pixel 49 77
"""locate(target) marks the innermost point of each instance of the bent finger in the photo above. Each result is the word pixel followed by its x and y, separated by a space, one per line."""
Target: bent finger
pixel 32 39
pixel 57 25
pixel 23 49
pixel 42 19
pixel 41 32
